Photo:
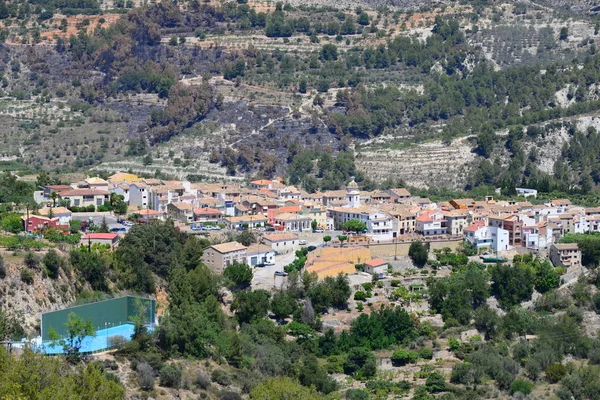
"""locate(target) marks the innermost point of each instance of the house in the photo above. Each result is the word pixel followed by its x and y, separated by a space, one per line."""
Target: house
pixel 110 239
pixel 97 183
pixel 245 221
pixel 182 212
pixel 261 184
pixel 85 197
pixel 565 255
pixel 462 204
pixel 37 222
pixel 293 222
pixel 282 242
pixel 376 266
pixel 398 194
pixel 62 213
pixel 260 254
pixel 123 177
pixel 220 256
pixel 431 223
pixel 162 195
pixel 487 237
pixel 456 221
pixel 526 192
pixel 261 206
pixel 139 194
pixel 48 190
pixel 511 223
pixel 329 261
pixel 148 215
pixel 207 214
pixel 123 190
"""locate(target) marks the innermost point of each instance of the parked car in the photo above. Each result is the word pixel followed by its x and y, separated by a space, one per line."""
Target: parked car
pixel 260 265
pixel 311 248
pixel 302 242
pixel 319 231
pixel 270 229
pixel 281 273
pixel 117 230
pixel 268 263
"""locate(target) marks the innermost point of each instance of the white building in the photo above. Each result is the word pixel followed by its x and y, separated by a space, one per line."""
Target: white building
pixel 380 225
pixel 282 242
pixel 139 195
pixel 260 254
pixel 490 237
pixel 526 192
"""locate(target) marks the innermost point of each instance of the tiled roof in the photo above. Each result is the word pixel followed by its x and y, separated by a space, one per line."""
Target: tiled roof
pixel 100 236
pixel 228 247
pixel 376 262
pixel 84 192
pixel 280 237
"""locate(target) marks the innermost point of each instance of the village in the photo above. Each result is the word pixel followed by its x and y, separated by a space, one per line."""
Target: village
pixel 341 228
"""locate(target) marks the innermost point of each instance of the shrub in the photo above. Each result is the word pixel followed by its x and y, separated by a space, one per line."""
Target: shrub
pixel 521 386
pixel 555 372
pixel 403 357
pixel 221 377
pixel 170 376
pixel 27 276
pixel 356 394
pixel 2 268
pixel 145 376
pixel 31 260
pixel 52 261
pixel 203 380
pixel 435 383
pixel 426 354
pixel 360 296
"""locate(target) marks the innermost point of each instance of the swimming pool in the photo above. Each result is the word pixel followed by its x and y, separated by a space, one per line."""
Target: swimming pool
pixel 91 344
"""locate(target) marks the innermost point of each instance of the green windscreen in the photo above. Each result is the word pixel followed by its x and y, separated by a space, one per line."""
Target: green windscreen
pixel 104 314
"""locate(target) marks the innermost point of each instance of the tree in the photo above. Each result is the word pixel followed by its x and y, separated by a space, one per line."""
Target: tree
pixel 250 305
pixel 314 375
pixel 103 226
pixel 283 305
pixel 435 383
pixel 342 239
pixel 314 225
pixel 512 285
pixel 77 330
pixel 329 52
pixel 302 86
pixel 74 226
pixel 403 357
pixel 326 239
pixel 360 362
pixel 564 33
pixel 31 260
pixel 354 225
pixel 282 389
pixel 418 253
pixel 238 275
pixel 91 266
pixel 546 277
pixel 12 223
pixel 52 261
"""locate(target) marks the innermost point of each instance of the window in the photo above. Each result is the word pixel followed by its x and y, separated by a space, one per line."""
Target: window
pixel 76 202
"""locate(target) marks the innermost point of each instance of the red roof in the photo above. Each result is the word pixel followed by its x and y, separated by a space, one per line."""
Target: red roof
pixel 262 182
pixel 424 218
pixel 207 210
pixel 84 192
pixel 474 226
pixel 376 262
pixel 289 209
pixel 102 236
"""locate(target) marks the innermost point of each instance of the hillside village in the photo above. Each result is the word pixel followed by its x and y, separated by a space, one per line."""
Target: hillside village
pixel 271 206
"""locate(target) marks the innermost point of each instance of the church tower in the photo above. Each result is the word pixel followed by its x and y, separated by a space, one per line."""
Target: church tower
pixel 352 194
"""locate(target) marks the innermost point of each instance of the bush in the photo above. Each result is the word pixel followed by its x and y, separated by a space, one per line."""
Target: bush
pixel 426 354
pixel 435 383
pixel 145 376
pixel 2 268
pixel 360 296
pixel 555 372
pixel 356 394
pixel 170 376
pixel 52 261
pixel 27 276
pixel 521 386
pixel 31 260
pixel 203 380
pixel 403 357
pixel 221 377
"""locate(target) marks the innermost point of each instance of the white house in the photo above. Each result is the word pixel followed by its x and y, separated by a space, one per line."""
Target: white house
pixel 260 254
pixel 431 223
pixel 139 195
pixel 282 242
pixel 62 213
pixel 491 237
